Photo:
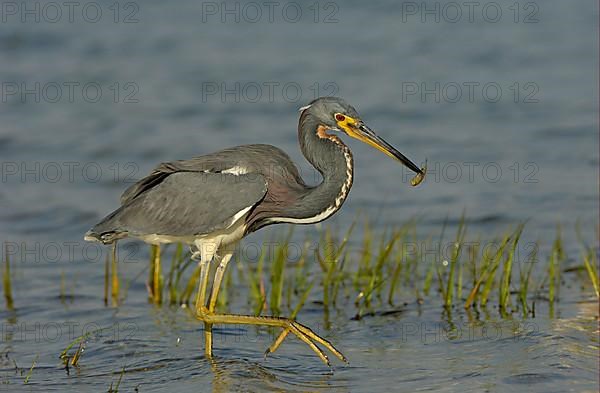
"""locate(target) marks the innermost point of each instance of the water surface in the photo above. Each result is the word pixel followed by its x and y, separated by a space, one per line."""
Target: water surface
pixel 533 152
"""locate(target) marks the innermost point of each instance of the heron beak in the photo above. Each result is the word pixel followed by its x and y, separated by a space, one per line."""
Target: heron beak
pixel 360 131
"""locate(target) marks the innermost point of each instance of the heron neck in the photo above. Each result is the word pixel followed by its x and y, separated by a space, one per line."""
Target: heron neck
pixel 333 159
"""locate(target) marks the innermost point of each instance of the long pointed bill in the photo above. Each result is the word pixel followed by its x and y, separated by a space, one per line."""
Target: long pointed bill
pixel 364 134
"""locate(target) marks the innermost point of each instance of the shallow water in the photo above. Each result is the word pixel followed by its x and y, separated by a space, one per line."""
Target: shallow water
pixel 407 348
pixel 530 153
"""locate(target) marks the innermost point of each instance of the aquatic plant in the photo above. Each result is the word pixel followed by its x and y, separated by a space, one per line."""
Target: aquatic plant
pixel 379 269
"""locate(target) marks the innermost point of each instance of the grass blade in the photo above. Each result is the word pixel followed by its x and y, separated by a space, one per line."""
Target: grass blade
pixel 591 264
pixel 504 295
pixel 460 235
pixel 6 280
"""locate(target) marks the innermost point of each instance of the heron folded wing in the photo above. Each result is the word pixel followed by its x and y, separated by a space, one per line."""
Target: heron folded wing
pixel 142 185
pixel 187 203
pixel 161 172
pixel 265 159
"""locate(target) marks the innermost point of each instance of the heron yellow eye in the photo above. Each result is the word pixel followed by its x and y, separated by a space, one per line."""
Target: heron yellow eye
pixel 340 117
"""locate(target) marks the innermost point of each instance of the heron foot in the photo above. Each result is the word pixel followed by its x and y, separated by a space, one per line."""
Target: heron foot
pixel 303 333
pixel 309 334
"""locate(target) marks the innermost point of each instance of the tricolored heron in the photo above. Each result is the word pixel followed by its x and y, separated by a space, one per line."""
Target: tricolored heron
pixel 211 202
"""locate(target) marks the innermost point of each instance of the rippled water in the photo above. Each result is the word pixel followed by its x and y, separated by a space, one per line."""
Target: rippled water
pixel 529 153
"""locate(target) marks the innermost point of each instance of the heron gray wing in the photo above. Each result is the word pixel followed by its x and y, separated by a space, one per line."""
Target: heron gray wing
pixel 186 204
pixel 146 183
pixel 160 173
pixel 258 158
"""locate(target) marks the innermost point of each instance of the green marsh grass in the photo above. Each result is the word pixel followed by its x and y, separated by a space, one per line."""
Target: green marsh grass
pixel 77 355
pixel 428 277
pixel 30 372
pixel 155 278
pixel 459 282
pixel 181 267
pixel 365 255
pixel 401 260
pixel 115 275
pixel 6 281
pixel 277 273
pixel 115 389
pixel 591 266
pixel 374 279
pixel 489 266
pixel 80 341
pixel 492 266
pixel 590 259
pixel 256 283
pixel 332 263
pixel 106 279
pixel 74 359
pixel 552 278
pixel 190 287
pixel 438 266
pixel 554 268
pixel 504 288
pixel 379 269
pixel 454 260
pixel 177 260
pixel 297 280
pixel 524 280
pixel 372 273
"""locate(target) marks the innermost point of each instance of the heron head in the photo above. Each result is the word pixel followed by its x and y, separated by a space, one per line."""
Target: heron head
pixel 337 115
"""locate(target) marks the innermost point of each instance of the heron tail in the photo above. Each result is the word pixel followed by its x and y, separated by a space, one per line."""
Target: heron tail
pixel 104 237
pixel 106 231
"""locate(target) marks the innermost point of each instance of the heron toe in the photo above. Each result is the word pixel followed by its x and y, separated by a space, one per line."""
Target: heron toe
pixel 306 332
pixel 303 333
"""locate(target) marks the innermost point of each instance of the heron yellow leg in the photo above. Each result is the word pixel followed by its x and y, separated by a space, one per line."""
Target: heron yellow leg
pixel 219 273
pixel 208 316
pixel 201 302
pixel 277 342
